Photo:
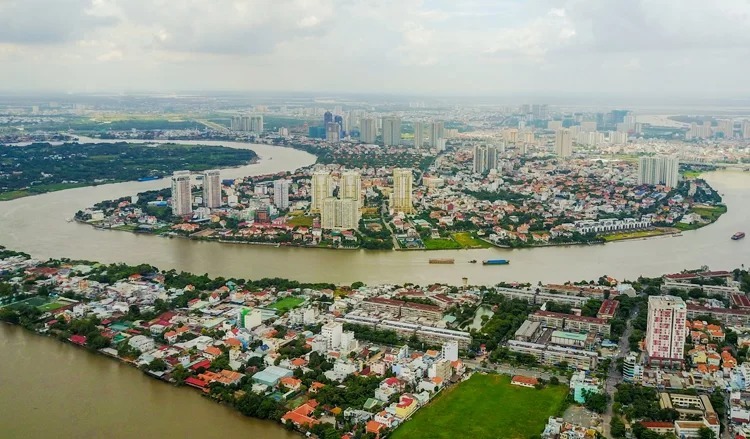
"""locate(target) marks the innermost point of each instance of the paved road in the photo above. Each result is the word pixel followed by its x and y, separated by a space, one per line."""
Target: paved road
pixel 614 376
pixel 383 213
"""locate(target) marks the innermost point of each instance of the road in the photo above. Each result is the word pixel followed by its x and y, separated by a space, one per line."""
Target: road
pixel 614 377
pixel 383 213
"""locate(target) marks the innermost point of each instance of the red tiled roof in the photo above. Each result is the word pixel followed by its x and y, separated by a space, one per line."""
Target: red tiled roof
pixel 524 380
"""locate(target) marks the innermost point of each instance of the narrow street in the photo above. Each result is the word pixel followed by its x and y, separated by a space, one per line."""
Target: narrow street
pixel 614 376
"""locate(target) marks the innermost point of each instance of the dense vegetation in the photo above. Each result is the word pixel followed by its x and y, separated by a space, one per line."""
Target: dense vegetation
pixel 41 167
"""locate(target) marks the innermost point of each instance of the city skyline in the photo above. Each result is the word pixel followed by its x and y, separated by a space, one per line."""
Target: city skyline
pixel 623 48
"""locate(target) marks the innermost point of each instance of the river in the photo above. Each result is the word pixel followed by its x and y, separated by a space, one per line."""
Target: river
pixel 56 390
pixel 37 225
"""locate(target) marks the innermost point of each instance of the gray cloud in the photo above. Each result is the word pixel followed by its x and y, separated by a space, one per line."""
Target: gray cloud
pixel 48 22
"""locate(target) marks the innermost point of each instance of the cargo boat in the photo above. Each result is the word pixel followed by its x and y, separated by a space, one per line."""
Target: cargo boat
pixel 496 262
pixel 442 261
pixel 150 178
pixel 738 235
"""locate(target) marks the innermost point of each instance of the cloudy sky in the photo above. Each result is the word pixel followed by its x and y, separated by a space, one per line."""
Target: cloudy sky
pixel 447 47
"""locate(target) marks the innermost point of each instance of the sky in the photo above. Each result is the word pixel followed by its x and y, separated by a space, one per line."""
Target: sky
pixel 691 48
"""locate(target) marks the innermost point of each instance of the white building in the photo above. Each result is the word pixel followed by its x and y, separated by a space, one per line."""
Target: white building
pixel 256 123
pixel 659 170
pixel 368 130
pixel 480 159
pixel 281 194
pixel 418 134
pixel 332 333
pixel 211 189
pixel 665 332
pixel 141 342
pixel 333 132
pixel 436 134
pixel 322 187
pixel 182 198
pixel 402 187
pixel 563 143
pixel 450 350
pixel 350 186
pixel 612 225
pixel 391 131
pixel 339 214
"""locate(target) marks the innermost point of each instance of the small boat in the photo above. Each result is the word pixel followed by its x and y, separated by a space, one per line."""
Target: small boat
pixel 473 261
pixel 737 236
pixel 442 261
pixel 496 262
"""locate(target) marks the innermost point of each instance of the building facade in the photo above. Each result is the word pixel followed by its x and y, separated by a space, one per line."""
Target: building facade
pixel 401 198
pixel 666 331
pixel 281 194
pixel 321 187
pixel 211 189
pixel 182 198
pixel 391 131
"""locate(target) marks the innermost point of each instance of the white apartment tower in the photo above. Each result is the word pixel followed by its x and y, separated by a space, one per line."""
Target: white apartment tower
pixel 332 333
pixel 368 130
pixel 659 170
pixel 350 186
pixel 322 187
pixel 211 189
pixel 450 350
pixel 256 123
pixel 281 194
pixel 339 214
pixel 665 331
pixel 563 143
pixel 182 198
pixel 480 159
pixel 418 134
pixel 391 131
pixel 436 134
pixel 401 196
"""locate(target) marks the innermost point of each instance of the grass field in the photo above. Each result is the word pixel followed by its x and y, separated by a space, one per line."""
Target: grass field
pixel 467 241
pixel 287 303
pixel 441 244
pixel 485 406
pixel 711 213
pixel 632 235
pixel 301 221
pixel 50 306
pixel 689 175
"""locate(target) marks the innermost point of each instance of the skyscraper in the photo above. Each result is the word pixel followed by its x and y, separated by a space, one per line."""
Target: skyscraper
pixel 401 196
pixel 281 194
pixel 368 130
pixel 391 131
pixel 339 214
pixel 321 189
pixel 746 129
pixel 256 123
pixel 339 120
pixel 327 118
pixel 563 143
pixel 436 133
pixel 182 198
pixel 659 170
pixel 350 186
pixel 418 134
pixel 480 159
pixel 333 132
pixel 211 189
pixel 665 330
pixel 491 157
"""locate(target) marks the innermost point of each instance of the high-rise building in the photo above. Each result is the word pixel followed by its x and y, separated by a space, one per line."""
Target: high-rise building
pixel 211 189
pixel 665 330
pixel 350 186
pixel 256 123
pixel 333 132
pixel 588 125
pixel 368 130
pixel 327 118
pixel 746 129
pixel 492 152
pixel 391 131
pixel 281 194
pixel 563 143
pixel 450 350
pixel 339 214
pixel 539 111
pixel 659 170
pixel 321 188
pixel 332 333
pixel 401 196
pixel 436 134
pixel 418 134
pixel 618 138
pixel 554 125
pixel 182 198
pixel 480 159
pixel 726 128
pixel 339 120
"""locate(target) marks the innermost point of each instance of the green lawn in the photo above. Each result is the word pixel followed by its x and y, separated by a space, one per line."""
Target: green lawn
pixel 688 175
pixel 50 306
pixel 301 221
pixel 632 234
pixel 485 406
pixel 466 240
pixel 440 244
pixel 287 303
